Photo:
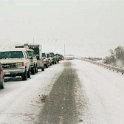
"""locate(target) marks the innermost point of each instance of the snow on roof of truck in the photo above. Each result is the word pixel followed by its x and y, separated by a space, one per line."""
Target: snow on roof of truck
pixel 22 45
pixel 13 49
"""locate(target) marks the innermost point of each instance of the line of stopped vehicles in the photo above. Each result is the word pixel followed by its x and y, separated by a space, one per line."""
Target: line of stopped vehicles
pixel 25 60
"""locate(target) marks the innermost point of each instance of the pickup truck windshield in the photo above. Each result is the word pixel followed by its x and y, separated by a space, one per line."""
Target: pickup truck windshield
pixel 11 54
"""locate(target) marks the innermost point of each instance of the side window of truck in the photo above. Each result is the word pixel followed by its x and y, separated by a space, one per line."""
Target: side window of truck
pixel 25 55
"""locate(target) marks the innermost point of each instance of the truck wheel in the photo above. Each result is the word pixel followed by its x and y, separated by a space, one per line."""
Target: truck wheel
pixel 29 74
pixel 33 71
pixel 42 69
pixel 46 66
pixel 36 70
pixel 24 76
pixel 2 84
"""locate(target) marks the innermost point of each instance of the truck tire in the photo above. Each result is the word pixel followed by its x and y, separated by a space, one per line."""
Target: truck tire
pixel 46 66
pixel 36 69
pixel 2 84
pixel 42 69
pixel 33 71
pixel 24 76
pixel 29 74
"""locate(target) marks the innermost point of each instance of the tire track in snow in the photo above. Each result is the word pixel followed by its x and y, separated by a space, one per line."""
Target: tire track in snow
pixel 60 106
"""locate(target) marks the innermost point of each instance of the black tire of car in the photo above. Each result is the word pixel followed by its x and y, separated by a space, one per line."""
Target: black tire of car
pixel 2 84
pixel 33 70
pixel 46 66
pixel 24 76
pixel 42 69
pixel 29 74
pixel 36 69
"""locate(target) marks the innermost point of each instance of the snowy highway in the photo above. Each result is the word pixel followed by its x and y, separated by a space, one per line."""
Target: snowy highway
pixel 104 90
pixel 20 102
pixel 76 92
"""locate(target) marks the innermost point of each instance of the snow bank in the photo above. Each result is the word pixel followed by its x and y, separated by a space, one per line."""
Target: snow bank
pixel 105 93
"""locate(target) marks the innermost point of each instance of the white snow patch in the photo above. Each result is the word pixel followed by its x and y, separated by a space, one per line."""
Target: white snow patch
pixel 105 93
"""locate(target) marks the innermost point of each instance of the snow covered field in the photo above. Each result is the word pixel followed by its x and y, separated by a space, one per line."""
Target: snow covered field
pixel 104 92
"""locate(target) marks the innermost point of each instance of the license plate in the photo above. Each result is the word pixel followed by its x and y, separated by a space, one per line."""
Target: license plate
pixel 7 73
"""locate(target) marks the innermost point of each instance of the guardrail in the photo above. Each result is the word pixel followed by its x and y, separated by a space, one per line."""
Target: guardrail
pixel 110 67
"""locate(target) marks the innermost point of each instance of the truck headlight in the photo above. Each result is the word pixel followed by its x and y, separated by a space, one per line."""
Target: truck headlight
pixel 20 64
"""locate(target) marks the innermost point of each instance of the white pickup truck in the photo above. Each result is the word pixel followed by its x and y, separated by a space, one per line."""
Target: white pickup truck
pixel 15 62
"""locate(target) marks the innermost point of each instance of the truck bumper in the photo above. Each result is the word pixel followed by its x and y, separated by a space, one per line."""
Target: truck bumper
pixel 13 72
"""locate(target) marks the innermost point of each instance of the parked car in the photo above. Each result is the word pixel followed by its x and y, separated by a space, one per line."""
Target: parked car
pixel 33 60
pixel 59 57
pixel 50 58
pixel 1 77
pixel 15 62
pixel 45 60
pixel 54 60
pixel 37 53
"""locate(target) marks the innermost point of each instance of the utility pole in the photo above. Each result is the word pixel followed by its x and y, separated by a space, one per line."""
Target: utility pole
pixel 64 49
pixel 33 40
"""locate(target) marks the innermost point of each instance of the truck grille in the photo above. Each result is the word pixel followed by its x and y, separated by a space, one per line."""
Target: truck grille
pixel 9 66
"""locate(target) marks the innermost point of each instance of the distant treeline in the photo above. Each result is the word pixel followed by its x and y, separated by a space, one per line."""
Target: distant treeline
pixel 116 57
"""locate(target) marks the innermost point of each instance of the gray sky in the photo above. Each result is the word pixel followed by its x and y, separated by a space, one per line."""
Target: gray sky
pixel 86 27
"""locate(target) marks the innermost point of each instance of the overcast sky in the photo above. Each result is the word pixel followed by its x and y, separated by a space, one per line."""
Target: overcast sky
pixel 86 27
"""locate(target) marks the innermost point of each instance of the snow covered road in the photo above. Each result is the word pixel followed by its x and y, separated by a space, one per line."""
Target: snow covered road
pixel 105 94
pixel 20 102
pixel 98 93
